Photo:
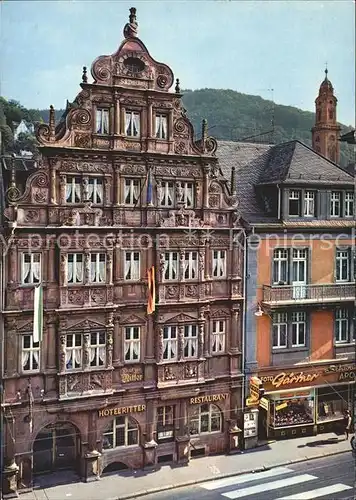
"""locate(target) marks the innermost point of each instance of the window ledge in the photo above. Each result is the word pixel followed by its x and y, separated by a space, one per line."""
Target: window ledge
pixel 276 350
pixel 124 449
pixel 344 344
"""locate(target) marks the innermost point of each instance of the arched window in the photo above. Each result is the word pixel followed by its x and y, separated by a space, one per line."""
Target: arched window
pixel 123 431
pixel 205 419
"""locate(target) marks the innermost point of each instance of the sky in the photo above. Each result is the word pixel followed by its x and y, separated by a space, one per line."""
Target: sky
pixel 248 46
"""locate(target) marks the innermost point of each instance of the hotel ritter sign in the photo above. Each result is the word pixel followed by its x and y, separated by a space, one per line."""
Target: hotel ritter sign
pixel 302 378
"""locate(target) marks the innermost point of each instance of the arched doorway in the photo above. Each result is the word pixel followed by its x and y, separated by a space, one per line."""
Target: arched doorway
pixel 56 447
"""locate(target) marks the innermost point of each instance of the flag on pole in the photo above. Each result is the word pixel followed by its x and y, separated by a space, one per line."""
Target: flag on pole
pixel 38 314
pixel 151 304
pixel 149 188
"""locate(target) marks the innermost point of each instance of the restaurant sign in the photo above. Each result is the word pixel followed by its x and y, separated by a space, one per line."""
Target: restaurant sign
pixel 212 398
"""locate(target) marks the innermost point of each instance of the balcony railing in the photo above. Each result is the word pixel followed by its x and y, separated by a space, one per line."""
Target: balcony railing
pixel 290 294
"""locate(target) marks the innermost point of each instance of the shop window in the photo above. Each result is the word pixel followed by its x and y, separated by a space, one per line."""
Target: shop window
pixel 332 402
pixel 132 343
pixel 165 422
pixel 206 418
pixel 30 354
pixel 132 266
pixel 219 263
pixel 291 412
pixel 123 432
pixel 30 268
pixel 218 336
pixel 73 190
pixel 132 191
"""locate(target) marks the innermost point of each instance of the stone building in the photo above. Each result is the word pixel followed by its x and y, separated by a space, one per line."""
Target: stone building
pixel 122 187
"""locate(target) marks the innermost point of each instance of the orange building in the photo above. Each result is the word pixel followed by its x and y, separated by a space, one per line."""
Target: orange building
pixel 300 282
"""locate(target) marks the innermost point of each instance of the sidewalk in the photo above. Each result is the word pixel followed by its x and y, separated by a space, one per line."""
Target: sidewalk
pixel 124 485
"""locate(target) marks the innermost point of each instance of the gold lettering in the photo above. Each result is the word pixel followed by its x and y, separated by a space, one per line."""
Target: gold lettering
pixel 143 407
pixel 215 398
pixel 191 401
pixel 124 411
pixel 115 411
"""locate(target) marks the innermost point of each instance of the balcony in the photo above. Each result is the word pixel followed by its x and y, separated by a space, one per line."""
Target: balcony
pixel 285 295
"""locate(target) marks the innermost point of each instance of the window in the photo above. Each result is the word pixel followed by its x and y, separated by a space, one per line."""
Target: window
pixel 205 419
pixel 132 191
pixel 132 343
pixel 298 329
pixel 190 265
pixel 30 354
pixel 279 328
pixel 74 351
pixel 73 190
pixel 170 270
pixel 349 204
pixel 190 341
pixel 161 126
pixel 188 194
pixel 219 263
pixel 102 121
pixel 218 336
pixel 75 268
pixel 165 194
pixel 97 349
pixel 132 123
pixel 170 343
pixel 335 204
pixel 309 204
pixel 123 431
pixel 294 203
pixel 280 266
pixel 132 266
pixel 165 422
pixel 31 268
pixel 95 190
pixel 97 268
pixel 342 326
pixel 343 265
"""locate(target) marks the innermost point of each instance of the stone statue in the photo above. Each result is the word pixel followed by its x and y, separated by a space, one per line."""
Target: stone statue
pixel 180 192
pixel 131 28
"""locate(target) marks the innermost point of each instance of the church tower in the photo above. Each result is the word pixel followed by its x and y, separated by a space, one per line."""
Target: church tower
pixel 325 133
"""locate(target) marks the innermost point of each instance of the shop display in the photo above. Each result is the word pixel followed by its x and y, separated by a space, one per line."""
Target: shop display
pixel 331 404
pixel 287 413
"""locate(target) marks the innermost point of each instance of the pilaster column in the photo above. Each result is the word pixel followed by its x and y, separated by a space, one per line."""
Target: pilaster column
pixel 149 120
pixel 109 267
pixel 122 120
pixel 62 353
pixel 53 187
pixel 50 262
pixel 150 421
pixel 86 349
pixel 117 117
pixel 201 264
pixel 117 340
pixel 12 263
pixel 85 187
pixel 235 337
pixel 206 187
pixel 149 339
pixel 107 190
pixel 50 343
pixel 117 186
pixel 235 260
pixel 63 280
pixel 62 189
pixel 201 335
pixel 180 342
pixel 207 260
pixel 86 267
pixel 159 353
pixel 207 335
pixel 11 339
pixel 109 339
pixel 170 125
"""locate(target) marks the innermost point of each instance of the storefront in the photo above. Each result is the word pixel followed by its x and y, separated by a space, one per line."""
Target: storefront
pixel 305 402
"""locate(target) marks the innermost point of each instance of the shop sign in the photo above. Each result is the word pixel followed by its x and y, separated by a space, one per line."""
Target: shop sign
pixel 131 375
pixel 264 403
pixel 212 398
pixel 348 375
pixel 281 406
pixel 286 379
pixel 124 410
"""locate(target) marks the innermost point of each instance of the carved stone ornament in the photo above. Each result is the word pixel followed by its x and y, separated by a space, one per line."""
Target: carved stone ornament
pixel 160 345
pixel 181 218
pixel 190 371
pixel 168 373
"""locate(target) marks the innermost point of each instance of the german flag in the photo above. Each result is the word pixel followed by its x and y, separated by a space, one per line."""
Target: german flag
pixel 151 304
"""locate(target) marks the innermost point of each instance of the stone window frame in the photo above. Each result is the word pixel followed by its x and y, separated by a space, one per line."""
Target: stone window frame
pixel 212 409
pixel 111 430
pixel 29 350
pixel 287 319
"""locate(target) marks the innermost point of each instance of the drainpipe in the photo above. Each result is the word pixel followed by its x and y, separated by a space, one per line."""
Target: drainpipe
pixel 243 392
pixel 279 202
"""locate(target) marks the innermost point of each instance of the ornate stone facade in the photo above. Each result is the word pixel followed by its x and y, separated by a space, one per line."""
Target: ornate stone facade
pixel 122 187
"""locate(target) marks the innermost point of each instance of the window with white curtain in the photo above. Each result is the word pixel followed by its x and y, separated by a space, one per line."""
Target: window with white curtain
pixel 73 189
pixel 95 190
pixel 30 354
pixel 161 126
pixel 170 343
pixel 219 263
pixel 74 351
pixel 132 191
pixel 205 420
pixel 75 268
pixel 97 349
pixel 166 195
pixel 298 329
pixel 349 204
pixel 102 121
pixel 343 265
pixel 191 265
pixel 309 204
pixel 218 336
pixel 335 204
pixel 97 268
pixel 132 266
pixel 280 266
pixel 123 432
pixel 342 326
pixel 279 327
pixel 132 343
pixel 31 268
pixel 188 194
pixel 170 271
pixel 190 341
pixel 132 123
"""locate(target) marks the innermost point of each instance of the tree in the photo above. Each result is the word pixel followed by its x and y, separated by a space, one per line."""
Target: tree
pixel 26 142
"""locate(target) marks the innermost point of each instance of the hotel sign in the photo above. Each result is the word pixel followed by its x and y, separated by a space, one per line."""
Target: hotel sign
pixel 212 398
pixel 124 410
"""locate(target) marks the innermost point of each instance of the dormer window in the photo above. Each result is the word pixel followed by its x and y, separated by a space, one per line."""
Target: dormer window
pixel 161 126
pixel 102 121
pixel 335 204
pixel 349 204
pixel 309 204
pixel 294 203
pixel 132 123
